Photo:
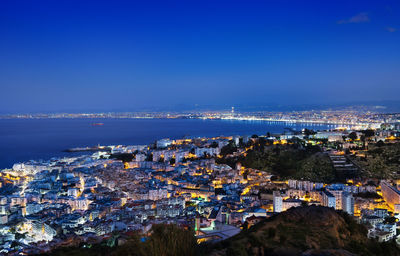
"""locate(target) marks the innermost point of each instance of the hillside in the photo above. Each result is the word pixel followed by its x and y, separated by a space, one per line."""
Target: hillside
pixel 312 230
pixel 292 160
pixel 381 161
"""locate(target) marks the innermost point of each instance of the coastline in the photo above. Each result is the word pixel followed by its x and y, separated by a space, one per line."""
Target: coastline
pixel 26 139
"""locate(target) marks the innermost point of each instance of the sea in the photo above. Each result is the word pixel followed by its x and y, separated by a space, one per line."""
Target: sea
pixel 34 139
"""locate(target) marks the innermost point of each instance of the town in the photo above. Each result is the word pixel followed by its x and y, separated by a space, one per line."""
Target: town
pixel 208 185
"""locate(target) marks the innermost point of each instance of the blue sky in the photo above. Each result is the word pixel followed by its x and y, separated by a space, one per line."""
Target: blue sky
pixel 129 55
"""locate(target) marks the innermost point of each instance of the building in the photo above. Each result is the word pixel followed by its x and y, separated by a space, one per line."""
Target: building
pixel 157 194
pixel 397 208
pixel 328 199
pixel 3 219
pixel 277 201
pixel 289 203
pixel 43 231
pixel 348 203
pixel 199 152
pixel 140 157
pixel 338 197
pixel 33 207
pixel 163 143
pixel 216 232
pixel 381 213
pixel 236 139
pixel 382 232
pixel 390 194
pixel 74 192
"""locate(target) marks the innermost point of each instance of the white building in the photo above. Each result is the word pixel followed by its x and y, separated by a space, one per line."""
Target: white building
pixel 16 200
pixel 4 209
pixel 3 200
pixel 79 204
pixel 338 197
pixel 33 207
pixel 292 183
pixel 43 231
pixel 28 169
pixel 157 194
pixel 328 199
pixel 179 156
pixel 3 219
pixel 383 232
pixel 236 139
pixel 348 203
pixel 163 143
pixel 199 152
pixel 140 157
pixel 74 192
pixel 278 201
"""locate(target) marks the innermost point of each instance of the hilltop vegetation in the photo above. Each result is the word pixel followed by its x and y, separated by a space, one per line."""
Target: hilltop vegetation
pixel 314 230
pixel 299 160
pixel 381 161
pixel 287 162
pixel 293 160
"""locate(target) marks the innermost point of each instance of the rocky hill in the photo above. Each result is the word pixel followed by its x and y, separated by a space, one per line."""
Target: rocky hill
pixel 312 230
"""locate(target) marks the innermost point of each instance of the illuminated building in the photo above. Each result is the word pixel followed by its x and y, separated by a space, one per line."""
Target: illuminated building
pixel 390 194
pixel 163 143
pixel 338 197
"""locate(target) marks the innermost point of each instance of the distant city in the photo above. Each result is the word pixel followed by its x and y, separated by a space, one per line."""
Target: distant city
pixel 349 118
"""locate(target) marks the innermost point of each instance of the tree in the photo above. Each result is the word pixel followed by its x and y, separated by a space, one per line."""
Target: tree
pixel 368 133
pixel 149 157
pixel 228 149
pixel 132 247
pixel 380 143
pixel 170 240
pixel 308 132
pixel 362 138
pixel 353 136
pixel 390 220
pixel 214 145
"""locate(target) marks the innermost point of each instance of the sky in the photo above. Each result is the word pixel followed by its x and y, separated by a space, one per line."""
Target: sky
pixel 60 56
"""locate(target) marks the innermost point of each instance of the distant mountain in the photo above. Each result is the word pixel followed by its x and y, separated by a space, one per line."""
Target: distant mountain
pixel 374 106
pixel 311 230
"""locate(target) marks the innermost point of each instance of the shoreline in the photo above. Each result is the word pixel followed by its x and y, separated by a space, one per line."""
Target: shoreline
pixel 22 152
